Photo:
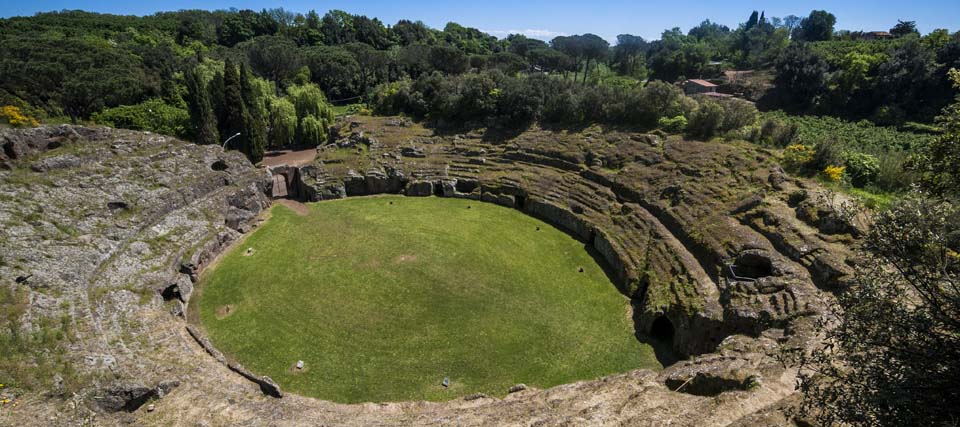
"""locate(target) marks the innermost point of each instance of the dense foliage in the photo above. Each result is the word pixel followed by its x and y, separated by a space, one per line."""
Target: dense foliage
pixel 492 99
pixel 939 162
pixel 152 115
pixel 238 72
pixel 892 351
pixel 893 357
pixel 875 157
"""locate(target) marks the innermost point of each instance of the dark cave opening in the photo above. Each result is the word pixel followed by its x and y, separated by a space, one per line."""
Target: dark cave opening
pixel 662 329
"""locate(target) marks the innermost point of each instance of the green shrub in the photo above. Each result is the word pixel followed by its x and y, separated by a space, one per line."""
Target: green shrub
pixel 517 104
pixel 862 168
pixel 828 152
pixel 748 133
pixel 854 136
pixel 562 107
pixel 360 109
pixel 892 175
pixel 797 157
pixel 153 115
pixel 737 113
pixel 673 124
pixel 659 99
pixel 706 120
pixel 778 132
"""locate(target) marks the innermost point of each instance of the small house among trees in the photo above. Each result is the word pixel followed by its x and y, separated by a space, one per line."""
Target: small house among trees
pixel 877 35
pixel 701 87
pixel 698 86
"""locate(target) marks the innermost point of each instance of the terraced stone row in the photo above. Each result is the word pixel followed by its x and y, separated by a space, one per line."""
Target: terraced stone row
pixel 665 219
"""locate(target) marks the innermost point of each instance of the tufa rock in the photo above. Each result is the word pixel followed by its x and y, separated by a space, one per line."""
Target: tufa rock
pixel 517 388
pixel 412 152
pixel 66 161
pixel 419 189
pixel 123 397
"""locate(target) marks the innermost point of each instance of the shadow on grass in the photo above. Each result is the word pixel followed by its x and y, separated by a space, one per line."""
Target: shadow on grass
pixel 659 339
pixel 662 346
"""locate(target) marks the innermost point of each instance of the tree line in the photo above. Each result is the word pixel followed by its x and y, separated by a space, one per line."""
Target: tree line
pixel 81 65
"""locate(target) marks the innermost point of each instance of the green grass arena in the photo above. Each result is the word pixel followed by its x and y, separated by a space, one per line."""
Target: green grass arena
pixel 384 297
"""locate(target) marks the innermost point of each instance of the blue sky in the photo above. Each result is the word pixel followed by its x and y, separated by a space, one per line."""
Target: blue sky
pixel 546 19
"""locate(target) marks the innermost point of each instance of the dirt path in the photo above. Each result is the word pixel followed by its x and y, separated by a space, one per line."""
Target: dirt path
pixel 300 208
pixel 289 157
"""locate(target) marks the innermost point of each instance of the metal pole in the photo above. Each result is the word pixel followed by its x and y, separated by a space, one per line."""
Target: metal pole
pixel 228 140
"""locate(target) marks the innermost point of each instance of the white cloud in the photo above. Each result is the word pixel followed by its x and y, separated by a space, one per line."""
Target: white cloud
pixel 532 33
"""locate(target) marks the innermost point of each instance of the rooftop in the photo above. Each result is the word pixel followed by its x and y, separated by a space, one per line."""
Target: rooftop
pixel 701 82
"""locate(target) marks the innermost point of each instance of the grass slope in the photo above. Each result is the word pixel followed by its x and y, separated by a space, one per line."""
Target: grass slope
pixel 382 301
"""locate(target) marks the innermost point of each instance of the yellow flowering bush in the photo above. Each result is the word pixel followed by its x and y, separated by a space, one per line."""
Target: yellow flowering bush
pixel 952 254
pixel 797 155
pixel 834 173
pixel 16 118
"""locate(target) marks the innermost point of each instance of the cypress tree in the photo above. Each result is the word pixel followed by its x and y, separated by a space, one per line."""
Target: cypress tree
pixel 234 110
pixel 201 110
pixel 254 125
pixel 215 90
pixel 752 22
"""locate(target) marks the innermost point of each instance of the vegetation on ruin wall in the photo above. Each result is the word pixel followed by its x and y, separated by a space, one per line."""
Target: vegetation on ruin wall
pixel 878 160
pixel 473 292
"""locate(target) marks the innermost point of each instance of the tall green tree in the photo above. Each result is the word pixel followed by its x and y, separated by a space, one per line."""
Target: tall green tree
pixel 273 57
pixel 801 76
pixel 678 55
pixel 408 32
pixel 904 28
pixel 314 115
pixel 337 27
pixel 335 69
pixel 522 45
pixel 908 81
pixel 595 49
pixel 254 125
pixel 283 123
pixel 372 32
pixel 816 27
pixel 629 56
pixel 372 62
pixel 449 60
pixel 753 21
pixel 234 108
pixel 202 118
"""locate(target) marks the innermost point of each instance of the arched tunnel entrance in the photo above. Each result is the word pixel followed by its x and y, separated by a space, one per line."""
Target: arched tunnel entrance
pixel 662 329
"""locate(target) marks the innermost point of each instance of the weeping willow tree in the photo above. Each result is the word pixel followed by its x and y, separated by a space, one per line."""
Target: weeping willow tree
pixel 283 122
pixel 314 114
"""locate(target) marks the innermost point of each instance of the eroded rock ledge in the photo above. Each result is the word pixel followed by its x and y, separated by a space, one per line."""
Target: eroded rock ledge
pixel 717 248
